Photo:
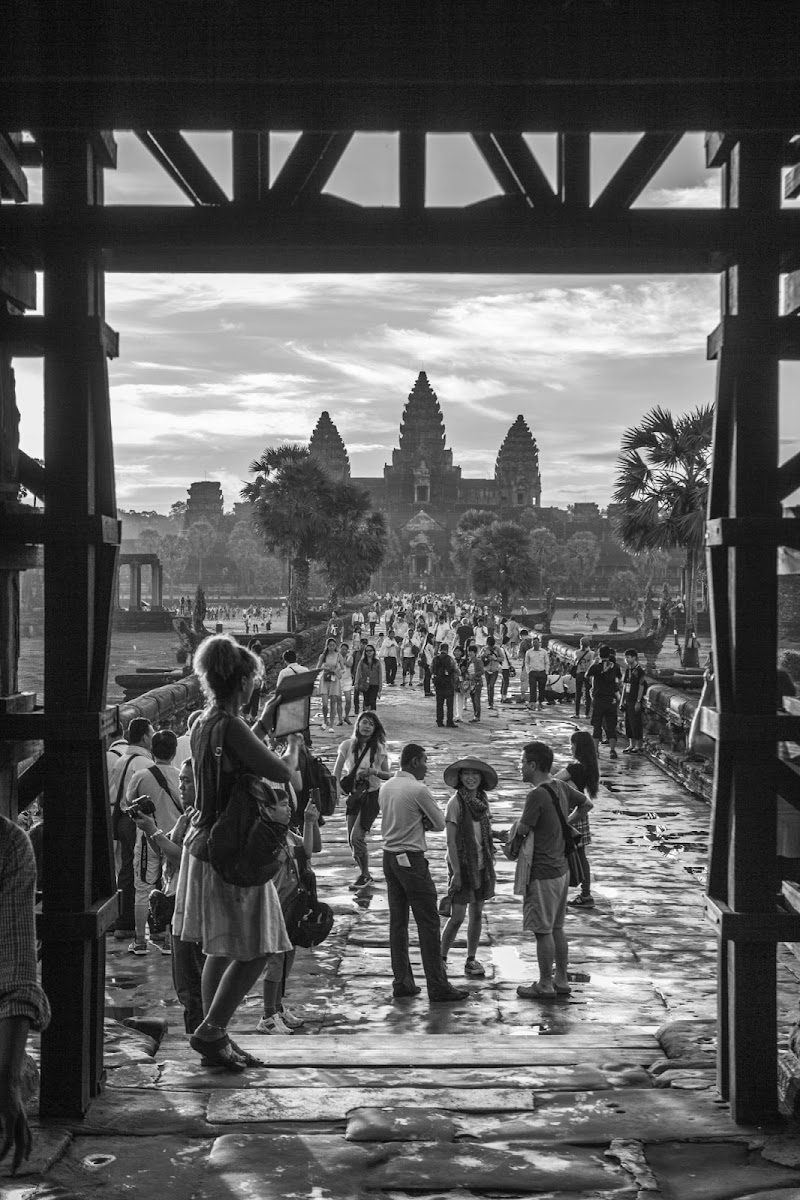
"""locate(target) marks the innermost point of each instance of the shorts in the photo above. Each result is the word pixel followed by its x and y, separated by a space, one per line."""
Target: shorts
pixel 544 907
pixel 634 725
pixel 604 717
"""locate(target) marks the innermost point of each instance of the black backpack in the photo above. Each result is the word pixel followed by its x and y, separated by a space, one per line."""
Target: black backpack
pixel 318 776
pixel 308 921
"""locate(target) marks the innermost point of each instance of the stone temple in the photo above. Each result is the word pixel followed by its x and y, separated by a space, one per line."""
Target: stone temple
pixel 423 493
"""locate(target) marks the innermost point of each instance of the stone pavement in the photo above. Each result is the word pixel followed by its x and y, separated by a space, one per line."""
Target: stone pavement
pixel 497 1095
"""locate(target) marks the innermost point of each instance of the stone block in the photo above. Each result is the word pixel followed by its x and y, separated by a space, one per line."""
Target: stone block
pixel 400 1125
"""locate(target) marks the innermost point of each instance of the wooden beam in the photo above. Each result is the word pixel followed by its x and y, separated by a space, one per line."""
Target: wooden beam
pixel 13 183
pixel 412 171
pixel 250 165
pixel 633 175
pixel 30 336
pixel 330 236
pixel 719 147
pixel 310 164
pixel 17 281
pixel 525 166
pixel 184 167
pixel 574 169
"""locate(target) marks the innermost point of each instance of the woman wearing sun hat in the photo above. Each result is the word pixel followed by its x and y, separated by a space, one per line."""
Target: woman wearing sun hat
pixel 470 853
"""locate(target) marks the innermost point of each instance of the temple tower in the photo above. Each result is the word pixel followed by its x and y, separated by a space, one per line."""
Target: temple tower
pixel 327 446
pixel 422 471
pixel 516 472
pixel 204 503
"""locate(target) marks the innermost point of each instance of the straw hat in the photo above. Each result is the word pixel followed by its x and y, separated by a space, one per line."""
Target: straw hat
pixel 488 774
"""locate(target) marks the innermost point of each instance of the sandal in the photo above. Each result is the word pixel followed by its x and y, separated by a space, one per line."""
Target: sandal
pixel 246 1057
pixel 217 1053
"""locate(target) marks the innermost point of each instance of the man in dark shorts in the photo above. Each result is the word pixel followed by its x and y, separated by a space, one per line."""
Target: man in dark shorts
pixel 604 677
pixel 634 686
pixel 544 906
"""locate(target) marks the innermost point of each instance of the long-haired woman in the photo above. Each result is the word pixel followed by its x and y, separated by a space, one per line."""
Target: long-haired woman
pixel 236 926
pixel 584 774
pixel 361 766
pixel 332 667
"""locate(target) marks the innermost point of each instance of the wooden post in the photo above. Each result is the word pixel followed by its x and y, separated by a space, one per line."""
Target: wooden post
pixel 745 483
pixel 80 554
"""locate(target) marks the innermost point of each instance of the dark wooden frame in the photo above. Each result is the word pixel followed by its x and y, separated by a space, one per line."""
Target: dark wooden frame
pixel 458 74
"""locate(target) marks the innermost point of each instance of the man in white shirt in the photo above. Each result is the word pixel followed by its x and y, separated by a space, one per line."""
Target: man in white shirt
pixel 407 809
pixel 537 661
pixel 293 667
pixel 136 755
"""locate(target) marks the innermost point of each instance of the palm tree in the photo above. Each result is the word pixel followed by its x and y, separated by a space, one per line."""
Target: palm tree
pixel 290 495
pixel 355 541
pixel 501 561
pixel 662 487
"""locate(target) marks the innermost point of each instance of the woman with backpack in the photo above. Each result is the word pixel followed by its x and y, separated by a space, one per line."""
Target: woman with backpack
pixel 361 766
pixel 470 854
pixel 236 926
pixel 584 774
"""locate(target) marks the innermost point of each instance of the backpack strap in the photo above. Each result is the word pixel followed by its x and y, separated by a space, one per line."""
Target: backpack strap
pixel 163 783
pixel 569 836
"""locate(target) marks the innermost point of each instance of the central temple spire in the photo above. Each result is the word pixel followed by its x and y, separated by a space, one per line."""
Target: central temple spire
pixel 422 432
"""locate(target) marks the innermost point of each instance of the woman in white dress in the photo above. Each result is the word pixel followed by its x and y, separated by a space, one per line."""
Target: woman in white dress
pixel 236 926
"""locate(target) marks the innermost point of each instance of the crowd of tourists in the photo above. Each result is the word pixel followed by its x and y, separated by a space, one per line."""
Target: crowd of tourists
pixel 171 796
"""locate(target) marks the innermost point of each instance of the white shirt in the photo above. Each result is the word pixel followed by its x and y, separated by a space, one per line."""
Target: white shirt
pixel 404 800
pixel 536 660
pixel 290 669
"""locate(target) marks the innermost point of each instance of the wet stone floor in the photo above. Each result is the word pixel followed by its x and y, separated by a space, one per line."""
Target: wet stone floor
pixel 495 1096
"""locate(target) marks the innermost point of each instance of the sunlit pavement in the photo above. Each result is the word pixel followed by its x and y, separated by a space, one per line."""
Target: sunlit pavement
pixel 496 1094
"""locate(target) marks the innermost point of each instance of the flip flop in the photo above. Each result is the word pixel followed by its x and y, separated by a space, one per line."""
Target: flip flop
pixel 534 992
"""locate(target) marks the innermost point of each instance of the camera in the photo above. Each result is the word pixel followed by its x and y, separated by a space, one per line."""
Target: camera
pixel 141 806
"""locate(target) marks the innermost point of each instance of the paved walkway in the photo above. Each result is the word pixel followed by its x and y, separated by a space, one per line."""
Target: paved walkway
pixel 496 1095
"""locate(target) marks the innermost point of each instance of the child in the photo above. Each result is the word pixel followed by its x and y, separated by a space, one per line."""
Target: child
pixel 277 1018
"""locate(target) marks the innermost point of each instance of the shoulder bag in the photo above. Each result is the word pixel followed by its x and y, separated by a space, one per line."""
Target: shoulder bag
pixel 572 840
pixel 348 781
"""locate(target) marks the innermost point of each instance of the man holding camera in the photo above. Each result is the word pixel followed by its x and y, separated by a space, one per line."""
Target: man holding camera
pixel 155 792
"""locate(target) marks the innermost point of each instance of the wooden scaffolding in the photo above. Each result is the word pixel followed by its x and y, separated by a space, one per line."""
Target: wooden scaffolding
pixel 71 72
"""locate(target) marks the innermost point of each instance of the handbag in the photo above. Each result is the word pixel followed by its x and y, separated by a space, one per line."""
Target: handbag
pixel 308 921
pixel 465 687
pixel 572 840
pixel 348 781
pixel 328 676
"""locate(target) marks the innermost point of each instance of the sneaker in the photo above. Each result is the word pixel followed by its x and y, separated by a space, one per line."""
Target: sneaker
pixel 582 902
pixel 362 881
pixel 291 1018
pixel 347 721
pixel 138 948
pixel 164 948
pixel 340 722
pixel 273 1024
pixel 474 969
pixel 613 754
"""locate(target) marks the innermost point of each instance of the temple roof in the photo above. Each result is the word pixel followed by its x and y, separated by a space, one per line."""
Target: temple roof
pixel 519 450
pixel 422 428
pixel 327 446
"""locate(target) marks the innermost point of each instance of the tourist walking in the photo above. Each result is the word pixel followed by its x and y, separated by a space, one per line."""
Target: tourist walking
pixel 444 673
pixel 474 675
pixel 236 926
pixel 372 618
pixel 158 784
pixel 584 774
pixel 535 667
pixel 369 678
pixel 332 669
pixel 634 686
pixel 407 809
pixel 582 688
pixel 604 677
pixel 525 644
pixel 409 656
pixel 507 669
pixel 492 662
pixel 135 756
pixel 546 887
pixel 470 854
pixel 388 652
pixel 361 765
pixel 347 680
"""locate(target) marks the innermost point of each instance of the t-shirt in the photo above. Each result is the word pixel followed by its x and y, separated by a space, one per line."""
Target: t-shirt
pixel 452 815
pixel 285 880
pixel 604 680
pixel 539 814
pixel 631 683
pixel 537 660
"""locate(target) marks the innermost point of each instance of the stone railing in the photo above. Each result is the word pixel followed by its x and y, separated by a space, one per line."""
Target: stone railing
pixel 170 705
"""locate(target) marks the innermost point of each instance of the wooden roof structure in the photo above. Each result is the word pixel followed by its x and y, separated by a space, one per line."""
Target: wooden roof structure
pixel 495 70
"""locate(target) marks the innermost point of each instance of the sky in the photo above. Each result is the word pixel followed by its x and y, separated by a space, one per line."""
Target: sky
pixel 215 368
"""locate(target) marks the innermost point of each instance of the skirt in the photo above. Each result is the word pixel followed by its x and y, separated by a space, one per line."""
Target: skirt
pixel 236 922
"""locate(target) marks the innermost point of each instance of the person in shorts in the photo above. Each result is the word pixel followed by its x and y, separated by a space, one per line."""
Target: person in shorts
pixel 544 905
pixel 604 677
pixel 470 854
